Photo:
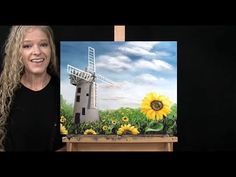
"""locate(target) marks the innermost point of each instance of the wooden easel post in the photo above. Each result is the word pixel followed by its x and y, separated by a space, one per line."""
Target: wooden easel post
pixel 119 33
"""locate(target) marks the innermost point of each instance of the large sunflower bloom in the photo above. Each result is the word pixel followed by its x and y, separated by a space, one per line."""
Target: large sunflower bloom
pixel 63 130
pixel 155 106
pixel 89 132
pixel 124 129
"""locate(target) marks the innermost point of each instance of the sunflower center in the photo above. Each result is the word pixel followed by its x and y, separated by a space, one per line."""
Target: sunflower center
pixel 127 132
pixel 156 105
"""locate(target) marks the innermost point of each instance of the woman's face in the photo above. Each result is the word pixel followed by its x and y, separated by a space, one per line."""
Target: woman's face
pixel 35 51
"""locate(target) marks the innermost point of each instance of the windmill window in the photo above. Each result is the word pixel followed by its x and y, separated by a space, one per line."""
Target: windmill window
pixel 83 111
pixel 79 90
pixel 78 98
pixel 87 94
pixel 77 118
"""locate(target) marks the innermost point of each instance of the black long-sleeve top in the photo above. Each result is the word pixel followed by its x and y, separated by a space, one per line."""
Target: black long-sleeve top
pixel 34 122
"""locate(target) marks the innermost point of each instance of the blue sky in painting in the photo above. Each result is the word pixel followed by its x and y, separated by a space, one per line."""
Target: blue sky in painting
pixel 136 68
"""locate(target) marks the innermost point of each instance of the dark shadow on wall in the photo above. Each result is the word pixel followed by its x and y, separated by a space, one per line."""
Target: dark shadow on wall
pixel 206 83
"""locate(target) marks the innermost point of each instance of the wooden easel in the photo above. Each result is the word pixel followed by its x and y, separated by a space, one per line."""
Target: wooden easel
pixel 119 33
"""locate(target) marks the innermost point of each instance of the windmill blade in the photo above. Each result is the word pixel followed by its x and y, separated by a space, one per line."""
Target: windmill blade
pixel 104 79
pixel 91 60
pixel 79 74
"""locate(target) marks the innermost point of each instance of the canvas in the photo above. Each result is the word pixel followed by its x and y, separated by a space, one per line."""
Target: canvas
pixel 118 88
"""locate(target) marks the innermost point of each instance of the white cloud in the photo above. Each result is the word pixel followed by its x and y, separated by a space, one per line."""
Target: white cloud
pixel 114 63
pixel 126 94
pixel 162 65
pixel 148 79
pixel 157 65
pixel 137 51
pixel 144 45
pixel 131 94
pixel 138 48
pixel 161 54
pixel 124 63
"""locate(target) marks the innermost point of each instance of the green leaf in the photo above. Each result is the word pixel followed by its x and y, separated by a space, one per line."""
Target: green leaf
pixel 169 122
pixel 173 114
pixel 169 131
pixel 154 127
pixel 152 130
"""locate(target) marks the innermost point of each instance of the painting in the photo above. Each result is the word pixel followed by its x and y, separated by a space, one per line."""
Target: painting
pixel 118 88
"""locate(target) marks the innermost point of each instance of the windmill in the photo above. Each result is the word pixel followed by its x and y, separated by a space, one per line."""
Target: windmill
pixel 86 89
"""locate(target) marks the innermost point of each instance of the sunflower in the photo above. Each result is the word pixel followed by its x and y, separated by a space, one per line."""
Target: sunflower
pixel 90 132
pixel 125 119
pixel 63 130
pixel 105 128
pixel 113 122
pixel 63 119
pixel 127 129
pixel 155 106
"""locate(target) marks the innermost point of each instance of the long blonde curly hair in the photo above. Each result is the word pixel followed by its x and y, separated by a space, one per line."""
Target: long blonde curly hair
pixel 13 70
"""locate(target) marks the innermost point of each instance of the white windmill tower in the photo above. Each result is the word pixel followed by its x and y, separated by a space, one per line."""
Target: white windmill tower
pixel 86 92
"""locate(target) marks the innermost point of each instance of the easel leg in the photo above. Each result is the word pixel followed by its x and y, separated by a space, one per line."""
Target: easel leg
pixel 69 147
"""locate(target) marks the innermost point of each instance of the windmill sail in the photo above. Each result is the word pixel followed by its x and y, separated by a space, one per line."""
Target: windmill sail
pixel 91 60
pixel 104 79
pixel 80 74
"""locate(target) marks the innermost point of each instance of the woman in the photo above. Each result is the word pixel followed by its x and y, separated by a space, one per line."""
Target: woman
pixel 29 97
